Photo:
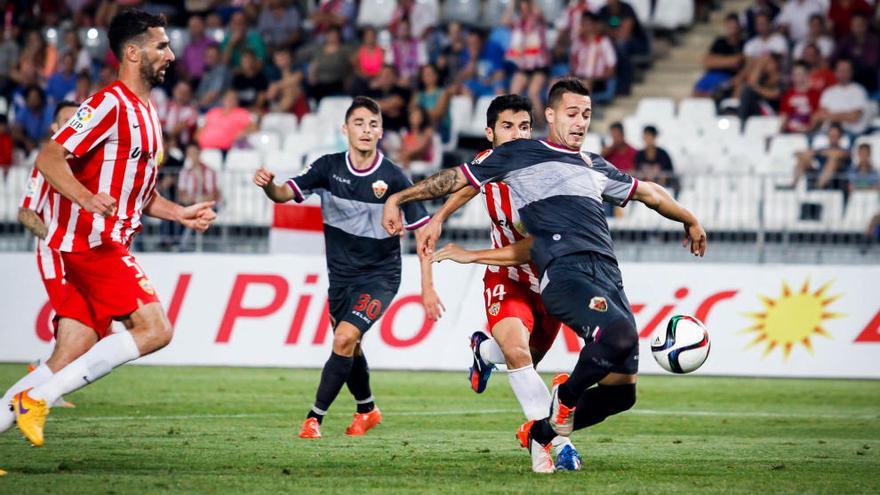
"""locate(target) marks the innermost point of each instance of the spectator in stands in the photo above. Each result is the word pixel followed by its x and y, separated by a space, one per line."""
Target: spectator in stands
pixel 249 83
pixel 7 147
pixel 653 162
pixel 329 66
pixel 421 17
pixel 417 139
pixel 37 55
pixel 817 35
pixel 285 93
pixel 800 102
pixel 863 48
pixel 629 37
pixel 63 81
pixel 724 60
pixel 197 182
pixel 239 37
pixel 392 98
pixel 369 57
pixel 453 55
pixel 335 14
pixel 482 71
pixel 280 24
pixel 82 89
pixel 215 80
pixel 527 50
pixel 435 100
pixel 794 19
pixel 863 175
pixel 9 55
pixel 765 41
pixel 179 115
pixel 823 166
pixel 569 23
pixel 593 58
pixel 619 152
pixel 762 89
pixel 166 185
pixel 407 54
pixel 845 102
pixel 767 7
pixel 820 75
pixel 225 125
pixel 32 119
pixel 193 61
pixel 841 13
pixel 81 56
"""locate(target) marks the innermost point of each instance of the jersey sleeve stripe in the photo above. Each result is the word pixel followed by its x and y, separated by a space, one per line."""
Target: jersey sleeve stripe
pixel 469 176
pixel 632 190
pixel 299 197
pixel 418 223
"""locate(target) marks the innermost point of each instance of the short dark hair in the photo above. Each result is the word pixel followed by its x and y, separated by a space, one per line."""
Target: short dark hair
pixel 836 125
pixel 649 129
pixel 589 15
pixel 130 24
pixel 803 64
pixel 515 103
pixel 363 102
pixel 566 85
pixel 62 105
pixel 864 145
pixel 732 16
pixel 616 125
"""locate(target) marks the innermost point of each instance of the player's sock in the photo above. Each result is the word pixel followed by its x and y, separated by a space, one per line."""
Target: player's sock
pixel 595 361
pixel 491 352
pixel 559 442
pixel 530 391
pixel 333 376
pixel 599 402
pixel 108 353
pixel 359 384
pixel 542 432
pixel 35 378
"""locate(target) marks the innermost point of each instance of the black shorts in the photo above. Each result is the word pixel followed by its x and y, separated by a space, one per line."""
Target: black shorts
pixel 360 305
pixel 585 291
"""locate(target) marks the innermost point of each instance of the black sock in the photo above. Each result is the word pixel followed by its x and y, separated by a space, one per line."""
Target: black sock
pixel 542 432
pixel 359 384
pixel 596 359
pixel 334 375
pixel 598 403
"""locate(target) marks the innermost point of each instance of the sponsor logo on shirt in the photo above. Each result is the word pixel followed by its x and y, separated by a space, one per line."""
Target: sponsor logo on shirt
pixel 341 179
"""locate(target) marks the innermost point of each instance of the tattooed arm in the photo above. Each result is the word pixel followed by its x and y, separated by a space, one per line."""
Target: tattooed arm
pixel 438 185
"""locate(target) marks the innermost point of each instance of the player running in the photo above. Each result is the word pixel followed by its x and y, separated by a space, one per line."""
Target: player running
pixel 102 166
pixel 558 191
pixel 363 261
pixel 34 215
pixel 522 329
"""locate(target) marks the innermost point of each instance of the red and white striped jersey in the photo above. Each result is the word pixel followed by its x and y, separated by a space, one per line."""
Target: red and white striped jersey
pixel 36 198
pixel 507 229
pixel 116 143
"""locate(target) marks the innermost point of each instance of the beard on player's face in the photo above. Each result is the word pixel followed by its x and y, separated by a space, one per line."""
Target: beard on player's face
pixel 152 74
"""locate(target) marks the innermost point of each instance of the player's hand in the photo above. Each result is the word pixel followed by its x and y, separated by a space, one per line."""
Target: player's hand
pixel 454 253
pixel 199 216
pixel 429 235
pixel 695 234
pixel 391 219
pixel 102 203
pixel 434 307
pixel 263 177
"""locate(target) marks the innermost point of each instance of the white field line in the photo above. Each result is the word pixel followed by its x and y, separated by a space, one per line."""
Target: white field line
pixel 463 412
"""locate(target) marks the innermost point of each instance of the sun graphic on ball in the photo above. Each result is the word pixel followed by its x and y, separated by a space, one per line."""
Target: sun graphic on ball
pixel 792 318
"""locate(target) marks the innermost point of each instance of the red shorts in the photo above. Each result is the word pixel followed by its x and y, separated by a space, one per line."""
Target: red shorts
pixel 52 272
pixel 507 298
pixel 103 284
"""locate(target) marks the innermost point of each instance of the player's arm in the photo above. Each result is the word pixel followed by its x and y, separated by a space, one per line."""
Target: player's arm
pixel 432 231
pixel 198 217
pixel 438 185
pixel 279 193
pixel 434 307
pixel 32 222
pixel 658 199
pixel 52 163
pixel 510 255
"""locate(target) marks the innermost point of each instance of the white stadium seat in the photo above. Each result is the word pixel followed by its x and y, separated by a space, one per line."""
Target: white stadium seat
pixel 280 122
pixel 179 38
pixel 332 109
pixel 242 159
pixel 830 211
pixel 464 11
pixel 697 111
pixel 673 14
pixel 862 205
pixel 283 164
pixel 212 158
pixel 655 109
pixel 643 11
pixel 376 13
pixel 477 125
pixel 551 9
pixel 782 150
pixel 761 127
pixel 265 142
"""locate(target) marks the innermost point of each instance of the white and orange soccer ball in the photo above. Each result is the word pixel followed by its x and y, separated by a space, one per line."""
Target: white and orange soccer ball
pixel 682 346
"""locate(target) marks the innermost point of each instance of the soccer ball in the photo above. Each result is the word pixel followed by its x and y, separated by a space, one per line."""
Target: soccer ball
pixel 682 346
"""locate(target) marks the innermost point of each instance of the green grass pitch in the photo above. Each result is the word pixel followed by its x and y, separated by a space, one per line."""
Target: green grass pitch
pixel 232 430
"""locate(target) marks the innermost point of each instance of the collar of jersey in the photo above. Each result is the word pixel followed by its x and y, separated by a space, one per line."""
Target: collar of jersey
pixel 364 173
pixel 557 147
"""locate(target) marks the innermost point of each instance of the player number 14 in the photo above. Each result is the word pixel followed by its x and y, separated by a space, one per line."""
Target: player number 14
pixel 497 292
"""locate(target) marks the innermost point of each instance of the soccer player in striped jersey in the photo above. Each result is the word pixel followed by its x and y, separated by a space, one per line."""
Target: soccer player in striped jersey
pixel 363 261
pixel 522 329
pixel 559 191
pixel 34 214
pixel 102 166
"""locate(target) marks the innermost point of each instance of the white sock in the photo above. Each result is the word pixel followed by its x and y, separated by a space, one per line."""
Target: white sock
pixel 559 442
pixel 530 391
pixel 33 379
pixel 107 354
pixel 491 352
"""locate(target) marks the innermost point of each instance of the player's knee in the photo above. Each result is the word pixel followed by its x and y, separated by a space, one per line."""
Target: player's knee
pixel 344 343
pixel 622 336
pixel 518 357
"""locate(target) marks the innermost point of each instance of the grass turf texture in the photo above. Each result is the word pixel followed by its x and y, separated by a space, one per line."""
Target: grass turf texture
pixel 232 430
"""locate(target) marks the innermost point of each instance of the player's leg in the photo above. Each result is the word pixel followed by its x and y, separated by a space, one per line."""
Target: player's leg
pixel 367 415
pixel 614 394
pixel 336 369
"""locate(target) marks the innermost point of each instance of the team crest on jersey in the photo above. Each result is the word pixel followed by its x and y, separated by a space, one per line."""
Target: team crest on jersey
pixel 146 286
pixel 494 309
pixel 482 156
pixel 586 157
pixel 380 188
pixel 599 303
